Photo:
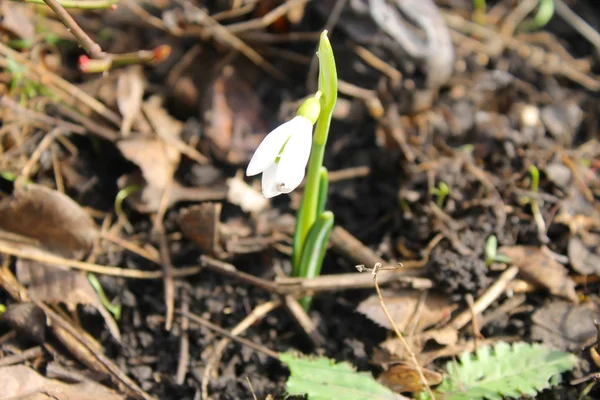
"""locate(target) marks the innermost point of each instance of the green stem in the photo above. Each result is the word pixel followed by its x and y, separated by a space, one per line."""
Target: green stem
pixel 310 201
pixel 323 189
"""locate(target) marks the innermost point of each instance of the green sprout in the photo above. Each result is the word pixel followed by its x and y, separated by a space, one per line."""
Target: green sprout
pixel 480 10
pixel 542 17
pixel 535 178
pixel 535 203
pixel 440 193
pixel 9 176
pixel 491 252
pixel 114 309
pixel 119 199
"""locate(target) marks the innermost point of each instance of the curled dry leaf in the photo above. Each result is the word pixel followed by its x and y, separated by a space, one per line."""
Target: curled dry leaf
pixel 565 326
pixel 539 268
pixel 403 378
pixel 61 226
pixel 406 308
pixel 21 382
pixel 52 218
pixel 157 161
pixel 234 127
pixel 130 92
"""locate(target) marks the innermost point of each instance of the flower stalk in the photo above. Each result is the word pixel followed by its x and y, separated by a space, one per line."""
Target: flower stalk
pixel 313 223
pixel 282 157
pixel 328 88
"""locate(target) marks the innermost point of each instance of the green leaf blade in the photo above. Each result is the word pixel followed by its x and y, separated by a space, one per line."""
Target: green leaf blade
pixel 504 370
pixel 322 379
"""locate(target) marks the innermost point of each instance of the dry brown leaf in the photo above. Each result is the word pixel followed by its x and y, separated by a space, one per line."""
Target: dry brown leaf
pixel 130 93
pixel 156 159
pixel 393 350
pixel 61 226
pixel 19 382
pixel 403 307
pixel 18 19
pixel 445 336
pixel 403 378
pixel 72 288
pixel 201 223
pixel 234 127
pixel 565 326
pixel 52 218
pixel 539 268
pixel 169 129
pixel 166 126
pixel 27 319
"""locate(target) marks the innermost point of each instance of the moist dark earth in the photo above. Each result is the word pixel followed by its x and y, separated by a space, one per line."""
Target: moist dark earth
pixel 399 135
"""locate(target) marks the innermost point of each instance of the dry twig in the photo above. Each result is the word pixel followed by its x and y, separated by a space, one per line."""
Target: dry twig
pixel 405 344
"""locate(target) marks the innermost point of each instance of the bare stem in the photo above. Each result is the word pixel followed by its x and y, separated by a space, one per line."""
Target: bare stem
pixel 91 47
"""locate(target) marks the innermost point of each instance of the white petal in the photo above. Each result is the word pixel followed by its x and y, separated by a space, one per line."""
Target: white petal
pixel 269 148
pixel 293 179
pixel 290 170
pixel 269 187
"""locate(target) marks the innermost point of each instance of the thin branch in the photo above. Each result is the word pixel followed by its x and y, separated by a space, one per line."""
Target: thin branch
pixel 91 47
pixel 84 5
pixel 34 253
pixel 229 335
pixel 101 61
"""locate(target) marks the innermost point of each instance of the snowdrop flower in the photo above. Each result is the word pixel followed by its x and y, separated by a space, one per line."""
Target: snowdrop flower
pixel 283 154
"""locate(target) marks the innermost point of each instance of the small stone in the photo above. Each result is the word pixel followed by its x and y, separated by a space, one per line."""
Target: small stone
pixel 530 116
pixel 559 174
pixel 142 372
pixel 562 120
pixel 145 339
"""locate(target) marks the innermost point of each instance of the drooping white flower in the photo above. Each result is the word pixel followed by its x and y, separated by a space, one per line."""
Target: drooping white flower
pixel 282 156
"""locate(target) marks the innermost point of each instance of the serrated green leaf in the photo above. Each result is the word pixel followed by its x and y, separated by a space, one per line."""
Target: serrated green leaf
pixel 322 379
pixel 504 370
